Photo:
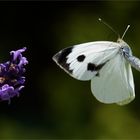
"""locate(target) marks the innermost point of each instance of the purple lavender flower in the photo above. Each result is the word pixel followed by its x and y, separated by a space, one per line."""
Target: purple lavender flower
pixel 11 75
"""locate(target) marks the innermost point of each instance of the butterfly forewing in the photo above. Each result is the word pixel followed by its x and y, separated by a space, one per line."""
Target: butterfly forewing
pixel 84 61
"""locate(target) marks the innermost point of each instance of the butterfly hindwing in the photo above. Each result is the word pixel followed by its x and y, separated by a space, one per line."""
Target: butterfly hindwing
pixel 84 61
pixel 115 83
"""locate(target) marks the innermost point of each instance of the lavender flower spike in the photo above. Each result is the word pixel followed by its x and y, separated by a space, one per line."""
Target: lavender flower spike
pixel 11 75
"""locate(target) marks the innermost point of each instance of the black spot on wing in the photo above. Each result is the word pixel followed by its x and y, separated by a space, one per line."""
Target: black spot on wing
pixel 81 58
pixel 61 58
pixel 92 67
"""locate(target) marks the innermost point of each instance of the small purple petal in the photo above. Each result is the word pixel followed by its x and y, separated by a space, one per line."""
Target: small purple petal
pixel 5 90
pixel 23 61
pixel 18 89
pixel 20 81
pixel 17 53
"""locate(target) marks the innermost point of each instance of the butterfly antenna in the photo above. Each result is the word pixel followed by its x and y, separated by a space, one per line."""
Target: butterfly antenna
pixel 109 27
pixel 125 31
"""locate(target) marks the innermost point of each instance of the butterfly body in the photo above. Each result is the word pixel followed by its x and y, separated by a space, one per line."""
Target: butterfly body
pixel 106 64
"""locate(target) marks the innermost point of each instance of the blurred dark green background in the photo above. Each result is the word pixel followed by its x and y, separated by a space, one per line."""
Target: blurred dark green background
pixel 54 105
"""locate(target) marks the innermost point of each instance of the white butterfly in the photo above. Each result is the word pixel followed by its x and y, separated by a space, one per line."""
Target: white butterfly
pixel 106 64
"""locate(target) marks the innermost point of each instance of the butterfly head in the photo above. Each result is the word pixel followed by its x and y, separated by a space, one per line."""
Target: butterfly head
pixel 124 47
pixel 121 42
